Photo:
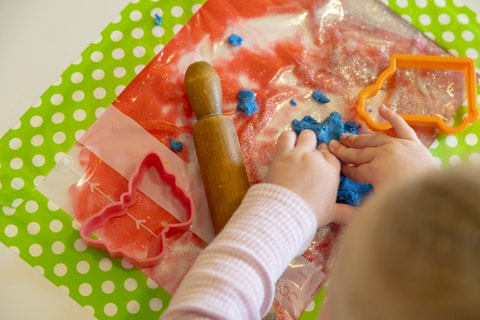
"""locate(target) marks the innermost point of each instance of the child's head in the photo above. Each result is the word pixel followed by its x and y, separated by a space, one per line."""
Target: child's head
pixel 413 252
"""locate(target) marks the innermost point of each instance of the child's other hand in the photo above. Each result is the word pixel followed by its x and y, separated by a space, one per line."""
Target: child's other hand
pixel 380 159
pixel 311 172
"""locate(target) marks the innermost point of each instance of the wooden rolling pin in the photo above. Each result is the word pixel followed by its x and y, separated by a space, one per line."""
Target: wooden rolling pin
pixel 218 150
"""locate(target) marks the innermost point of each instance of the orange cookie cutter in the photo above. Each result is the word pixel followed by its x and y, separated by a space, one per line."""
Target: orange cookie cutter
pixel 127 199
pixel 466 65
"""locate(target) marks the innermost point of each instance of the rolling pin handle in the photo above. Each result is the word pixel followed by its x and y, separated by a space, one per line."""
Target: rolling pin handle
pixel 204 90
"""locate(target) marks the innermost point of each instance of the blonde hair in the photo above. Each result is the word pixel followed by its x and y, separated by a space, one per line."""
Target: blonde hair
pixel 421 245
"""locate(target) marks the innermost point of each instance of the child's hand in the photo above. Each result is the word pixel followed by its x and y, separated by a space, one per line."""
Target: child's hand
pixel 378 158
pixel 311 172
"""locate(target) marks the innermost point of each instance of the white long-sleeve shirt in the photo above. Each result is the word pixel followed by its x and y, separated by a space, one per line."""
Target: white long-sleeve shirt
pixel 235 276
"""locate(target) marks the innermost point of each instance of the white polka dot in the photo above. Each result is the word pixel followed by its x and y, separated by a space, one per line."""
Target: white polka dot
pixel 119 72
pixel 17 202
pixel 105 264
pixel 38 180
pixel 139 51
pixel 35 250
pixel 17 183
pixel 79 134
pixel 96 56
pixel 83 267
pixel 98 39
pixel 127 265
pixel 36 121
pixel 58 247
pixel 468 35
pixel 458 3
pixel 98 74
pixel 177 11
pixel 444 19
pixel 33 228
pixel 37 103
pixel 116 36
pixel 472 53
pixel 177 28
pixel 421 3
pixel 130 284
pixel 110 309
pixel 58 117
pixel 119 89
pixel 11 231
pixel 135 15
pixel 463 18
pixel 99 93
pixel 37 140
pixel 196 7
pixel 78 60
pixel 78 95
pixel 57 82
pixel 16 163
pixel 64 289
pixel 59 137
pixel 56 226
pixel 155 304
pixel 158 48
pixel 451 141
pixel 158 31
pixel 151 284
pixel 425 19
pixel 52 206
pixel 39 269
pixel 139 68
pixel 474 158
pixel 85 289
pixel 17 125
pixel 440 3
pixel 133 307
pixel 15 250
pixel 8 211
pixel 38 160
pixel 15 143
pixel 99 112
pixel 31 206
pixel 79 115
pixel 76 77
pixel 455 160
pixel 137 33
pixel 56 99
pixel 79 245
pixel 108 286
pixel 117 19
pixel 118 53
pixel 471 139
pixel 448 36
pixel 310 307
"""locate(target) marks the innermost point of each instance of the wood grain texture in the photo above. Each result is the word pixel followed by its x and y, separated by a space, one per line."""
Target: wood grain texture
pixel 216 143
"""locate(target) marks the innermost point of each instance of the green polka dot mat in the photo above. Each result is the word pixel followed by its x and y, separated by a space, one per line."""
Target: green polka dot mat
pixel 48 239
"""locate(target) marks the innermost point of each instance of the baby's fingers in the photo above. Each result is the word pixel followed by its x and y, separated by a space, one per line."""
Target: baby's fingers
pixel 401 127
pixel 285 143
pixel 360 174
pixel 351 155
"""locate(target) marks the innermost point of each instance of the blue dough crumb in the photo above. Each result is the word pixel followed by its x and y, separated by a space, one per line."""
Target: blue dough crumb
pixel 349 191
pixel 235 40
pixel 320 97
pixel 176 146
pixel 247 104
pixel 293 102
pixel 158 19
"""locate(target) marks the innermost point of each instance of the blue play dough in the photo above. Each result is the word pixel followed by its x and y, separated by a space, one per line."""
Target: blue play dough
pixel 176 146
pixel 320 97
pixel 235 40
pixel 246 99
pixel 349 191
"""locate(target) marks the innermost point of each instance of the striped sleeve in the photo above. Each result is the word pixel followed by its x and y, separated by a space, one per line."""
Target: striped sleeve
pixel 235 276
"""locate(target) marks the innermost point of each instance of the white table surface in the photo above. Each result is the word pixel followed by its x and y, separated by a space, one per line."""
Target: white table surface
pixel 39 40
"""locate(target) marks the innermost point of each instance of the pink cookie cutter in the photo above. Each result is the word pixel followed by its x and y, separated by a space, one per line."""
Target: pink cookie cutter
pixel 127 199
